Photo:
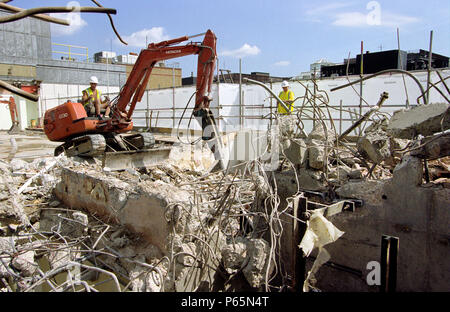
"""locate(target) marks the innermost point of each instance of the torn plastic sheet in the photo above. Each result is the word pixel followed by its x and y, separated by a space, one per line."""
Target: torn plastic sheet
pixel 319 233
pixel 321 259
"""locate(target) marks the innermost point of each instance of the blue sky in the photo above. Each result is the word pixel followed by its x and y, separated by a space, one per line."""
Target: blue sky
pixel 280 37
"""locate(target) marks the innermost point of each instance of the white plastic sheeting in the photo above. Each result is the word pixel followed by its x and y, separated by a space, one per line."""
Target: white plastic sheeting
pixel 319 232
pixel 159 107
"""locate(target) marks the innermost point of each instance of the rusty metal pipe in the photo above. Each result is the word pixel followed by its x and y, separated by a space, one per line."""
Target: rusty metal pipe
pixel 443 80
pixel 33 11
pixel 385 72
pixel 112 23
pixel 383 97
pixel 42 17
pixel 18 91
pixel 270 91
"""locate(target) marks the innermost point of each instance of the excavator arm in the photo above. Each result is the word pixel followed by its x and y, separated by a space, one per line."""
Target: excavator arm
pixel 136 83
pixel 134 88
pixel 14 115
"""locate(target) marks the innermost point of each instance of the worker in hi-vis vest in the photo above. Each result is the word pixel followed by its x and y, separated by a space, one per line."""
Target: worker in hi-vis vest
pixel 92 101
pixel 287 96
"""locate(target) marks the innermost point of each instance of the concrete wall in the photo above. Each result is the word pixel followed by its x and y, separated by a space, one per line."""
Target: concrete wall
pixel 417 214
pixel 69 72
pixel 20 72
pixel 161 77
pixel 24 41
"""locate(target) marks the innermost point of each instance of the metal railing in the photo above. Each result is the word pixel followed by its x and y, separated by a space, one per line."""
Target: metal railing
pixel 69 52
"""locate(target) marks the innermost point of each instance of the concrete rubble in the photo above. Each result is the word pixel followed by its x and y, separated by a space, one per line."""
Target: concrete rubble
pixel 164 228
pixel 75 226
pixel 423 119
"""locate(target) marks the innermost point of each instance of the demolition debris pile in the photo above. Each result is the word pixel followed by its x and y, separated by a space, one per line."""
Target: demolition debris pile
pixel 165 228
pixel 67 224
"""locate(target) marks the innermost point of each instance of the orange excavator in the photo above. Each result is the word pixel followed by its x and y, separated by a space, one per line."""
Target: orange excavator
pixel 14 116
pixel 93 136
pixel 32 89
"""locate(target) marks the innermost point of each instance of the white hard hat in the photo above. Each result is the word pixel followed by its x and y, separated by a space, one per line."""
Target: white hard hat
pixel 284 84
pixel 94 79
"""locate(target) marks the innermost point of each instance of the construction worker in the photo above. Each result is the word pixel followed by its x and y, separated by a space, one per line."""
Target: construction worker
pixel 287 96
pixel 92 102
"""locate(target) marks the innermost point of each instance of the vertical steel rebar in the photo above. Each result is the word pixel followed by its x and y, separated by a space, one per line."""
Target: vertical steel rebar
pixel 389 255
pixel 314 98
pixel 340 117
pixel 401 63
pixel 173 95
pixel 218 96
pixel 361 84
pixel 430 60
pixel 393 258
pixel 240 94
pixel 384 262
pixel 300 204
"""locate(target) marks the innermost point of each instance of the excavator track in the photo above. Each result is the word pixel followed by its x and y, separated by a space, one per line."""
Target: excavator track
pixel 88 145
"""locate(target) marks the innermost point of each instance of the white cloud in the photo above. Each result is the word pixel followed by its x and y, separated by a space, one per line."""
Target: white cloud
pixel 76 23
pixel 141 37
pixel 389 19
pixel 352 19
pixel 372 14
pixel 245 50
pixel 327 7
pixel 282 63
pixel 74 18
pixel 357 19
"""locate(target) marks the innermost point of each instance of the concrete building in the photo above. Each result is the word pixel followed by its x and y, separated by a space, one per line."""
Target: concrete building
pixel 226 76
pixel 161 77
pixel 316 67
pixel 378 61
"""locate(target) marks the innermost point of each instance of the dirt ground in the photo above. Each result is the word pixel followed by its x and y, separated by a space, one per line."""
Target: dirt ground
pixel 30 145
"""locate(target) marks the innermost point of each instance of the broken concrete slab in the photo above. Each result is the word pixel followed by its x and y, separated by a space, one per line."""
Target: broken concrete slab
pixel 321 134
pixel 258 262
pixel 24 262
pixel 144 281
pixel 6 247
pixel 142 207
pixel 234 255
pixel 308 179
pixel 17 164
pixel 371 191
pixel 316 154
pixel 340 173
pixel 375 146
pixel 422 119
pixel 296 153
pixel 433 147
pixel 409 172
